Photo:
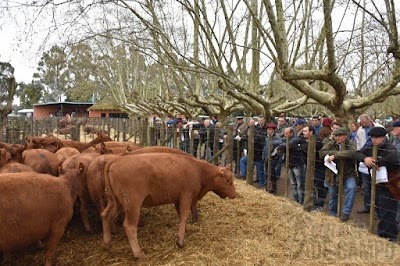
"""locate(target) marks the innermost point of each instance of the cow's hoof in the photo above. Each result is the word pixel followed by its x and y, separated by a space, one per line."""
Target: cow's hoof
pixel 106 246
pixel 140 257
pixel 179 243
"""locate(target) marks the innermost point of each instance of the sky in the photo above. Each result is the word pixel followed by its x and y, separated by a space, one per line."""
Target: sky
pixel 21 58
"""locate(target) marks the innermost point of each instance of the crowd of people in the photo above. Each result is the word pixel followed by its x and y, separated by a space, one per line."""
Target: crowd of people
pixel 334 144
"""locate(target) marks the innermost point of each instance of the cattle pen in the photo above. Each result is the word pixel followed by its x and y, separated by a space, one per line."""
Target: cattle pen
pixel 256 229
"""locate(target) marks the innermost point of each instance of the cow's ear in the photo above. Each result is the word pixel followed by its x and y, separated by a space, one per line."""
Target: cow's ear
pixel 228 166
pixel 222 172
pixel 128 149
pixel 59 168
pixel 81 168
pixel 28 139
pixel 99 135
pixel 103 146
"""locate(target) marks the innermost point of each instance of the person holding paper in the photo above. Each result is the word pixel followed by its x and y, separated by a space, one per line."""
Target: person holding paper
pixel 387 157
pixel 340 150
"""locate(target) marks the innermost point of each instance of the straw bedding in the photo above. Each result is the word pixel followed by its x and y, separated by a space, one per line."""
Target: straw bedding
pixel 255 229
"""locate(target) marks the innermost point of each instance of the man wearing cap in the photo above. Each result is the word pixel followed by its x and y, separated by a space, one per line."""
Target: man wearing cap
pixel 387 157
pixel 395 140
pixel 363 139
pixel 341 151
pixel 275 157
pixel 298 126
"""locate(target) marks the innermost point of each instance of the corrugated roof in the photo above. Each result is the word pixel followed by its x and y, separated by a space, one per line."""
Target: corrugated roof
pixel 70 103
pixel 104 106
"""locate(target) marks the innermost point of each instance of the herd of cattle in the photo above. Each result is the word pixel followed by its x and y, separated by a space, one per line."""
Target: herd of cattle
pixel 41 181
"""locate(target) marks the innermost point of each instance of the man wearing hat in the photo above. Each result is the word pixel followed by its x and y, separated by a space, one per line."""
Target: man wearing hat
pixel 395 140
pixel 298 126
pixel 388 157
pixel 341 151
pixel 363 139
pixel 275 157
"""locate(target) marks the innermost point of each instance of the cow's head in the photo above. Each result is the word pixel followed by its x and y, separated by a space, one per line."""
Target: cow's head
pixel 223 183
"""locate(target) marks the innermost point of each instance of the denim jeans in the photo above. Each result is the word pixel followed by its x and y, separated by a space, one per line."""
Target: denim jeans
pixel 366 187
pixel 259 168
pixel 321 190
pixel 297 181
pixel 350 195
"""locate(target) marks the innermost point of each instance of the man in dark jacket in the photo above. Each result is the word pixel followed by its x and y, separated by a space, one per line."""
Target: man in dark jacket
pixel 208 126
pixel 296 164
pixel 387 157
pixel 341 151
pixel 319 176
pixel 260 133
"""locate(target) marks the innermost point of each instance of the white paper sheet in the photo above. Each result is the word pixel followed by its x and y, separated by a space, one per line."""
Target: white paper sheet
pixel 381 173
pixel 330 165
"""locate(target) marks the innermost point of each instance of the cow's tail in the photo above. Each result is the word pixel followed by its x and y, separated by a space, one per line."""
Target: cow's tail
pixel 110 194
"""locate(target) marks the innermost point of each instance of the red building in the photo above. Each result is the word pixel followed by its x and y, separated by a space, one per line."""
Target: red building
pixel 77 109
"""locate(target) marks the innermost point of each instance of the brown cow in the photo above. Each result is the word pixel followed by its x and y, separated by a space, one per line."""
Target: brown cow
pixel 95 173
pixel 4 157
pixel 81 146
pixel 155 179
pixel 42 161
pixel 65 152
pixel 41 214
pixel 49 143
pixel 73 163
pixel 159 149
pixel 15 167
pixel 15 151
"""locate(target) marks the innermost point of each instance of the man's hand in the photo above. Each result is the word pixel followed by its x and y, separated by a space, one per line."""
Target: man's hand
pixel 238 138
pixel 331 158
pixel 369 162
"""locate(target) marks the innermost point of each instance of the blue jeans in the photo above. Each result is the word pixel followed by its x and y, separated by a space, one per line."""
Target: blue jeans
pixel 398 213
pixel 297 182
pixel 366 187
pixel 259 168
pixel 350 195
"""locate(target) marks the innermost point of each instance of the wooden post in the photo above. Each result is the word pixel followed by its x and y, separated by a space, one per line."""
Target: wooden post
pixel 268 186
pixel 340 175
pixel 152 133
pixel 310 174
pixel 229 144
pixel 287 168
pixel 207 145
pixel 162 133
pixel 373 190
pixel 237 159
pixel 250 155
pixel 174 137
pixel 215 146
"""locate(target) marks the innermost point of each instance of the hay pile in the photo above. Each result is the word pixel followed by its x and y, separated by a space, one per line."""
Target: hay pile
pixel 257 229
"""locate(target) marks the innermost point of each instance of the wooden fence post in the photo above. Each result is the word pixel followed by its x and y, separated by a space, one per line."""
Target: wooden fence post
pixel 341 177
pixel 268 186
pixel 310 174
pixel 250 155
pixel 229 154
pixel 373 190
pixel 215 145
pixel 287 168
